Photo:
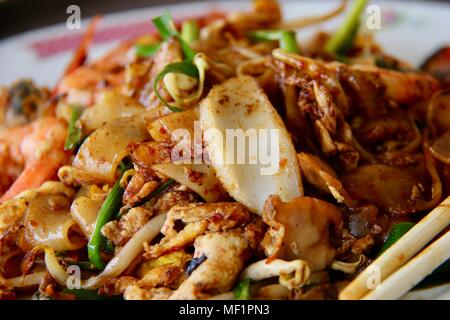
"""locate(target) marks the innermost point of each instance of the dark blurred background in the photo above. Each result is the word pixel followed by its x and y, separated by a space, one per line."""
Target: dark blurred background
pixel 21 15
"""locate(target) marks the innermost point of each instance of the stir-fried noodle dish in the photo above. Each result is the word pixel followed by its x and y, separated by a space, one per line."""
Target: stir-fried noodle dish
pixel 219 157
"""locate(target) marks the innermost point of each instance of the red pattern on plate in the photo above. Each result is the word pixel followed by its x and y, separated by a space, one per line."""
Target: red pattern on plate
pixel 48 47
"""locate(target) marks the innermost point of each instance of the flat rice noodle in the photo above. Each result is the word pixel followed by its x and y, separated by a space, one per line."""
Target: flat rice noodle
pixel 164 127
pixel 440 149
pixel 390 188
pixel 111 105
pixel 84 211
pixel 102 151
pixel 48 223
pixel 201 178
pixel 397 125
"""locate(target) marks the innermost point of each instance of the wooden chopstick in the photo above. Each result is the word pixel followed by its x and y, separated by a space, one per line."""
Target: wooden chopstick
pixel 444 296
pixel 404 279
pixel 397 255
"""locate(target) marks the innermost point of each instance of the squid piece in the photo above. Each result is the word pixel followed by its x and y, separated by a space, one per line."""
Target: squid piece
pixel 220 216
pixel 198 218
pixel 225 254
pixel 292 274
pixel 240 106
pixel 301 229
pixel 177 241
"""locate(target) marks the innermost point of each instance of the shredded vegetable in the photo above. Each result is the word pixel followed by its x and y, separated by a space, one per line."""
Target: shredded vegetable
pixel 343 39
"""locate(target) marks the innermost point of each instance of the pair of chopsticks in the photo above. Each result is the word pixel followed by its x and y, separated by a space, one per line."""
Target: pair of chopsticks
pixel 394 273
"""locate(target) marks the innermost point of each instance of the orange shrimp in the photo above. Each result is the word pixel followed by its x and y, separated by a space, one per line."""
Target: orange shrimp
pixel 83 83
pixel 39 146
pixel 80 55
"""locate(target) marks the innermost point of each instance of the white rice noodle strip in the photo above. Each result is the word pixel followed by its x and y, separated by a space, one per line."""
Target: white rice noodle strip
pixel 28 280
pixel 128 253
pixel 54 268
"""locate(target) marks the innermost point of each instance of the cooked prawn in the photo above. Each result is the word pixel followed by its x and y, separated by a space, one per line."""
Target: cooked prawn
pixel 82 81
pixel 81 85
pixel 39 147
pixel 401 87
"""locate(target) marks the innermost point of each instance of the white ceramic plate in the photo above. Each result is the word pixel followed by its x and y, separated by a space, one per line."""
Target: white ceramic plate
pixel 409 30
